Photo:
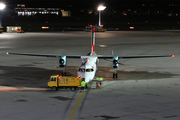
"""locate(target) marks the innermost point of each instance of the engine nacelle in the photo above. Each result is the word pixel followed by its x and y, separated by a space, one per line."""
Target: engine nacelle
pixel 115 62
pixel 62 61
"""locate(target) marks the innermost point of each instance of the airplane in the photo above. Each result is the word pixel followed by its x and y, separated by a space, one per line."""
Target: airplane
pixel 88 67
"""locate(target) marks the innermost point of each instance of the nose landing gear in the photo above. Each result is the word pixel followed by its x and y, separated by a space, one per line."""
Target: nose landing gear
pixel 63 73
pixel 115 75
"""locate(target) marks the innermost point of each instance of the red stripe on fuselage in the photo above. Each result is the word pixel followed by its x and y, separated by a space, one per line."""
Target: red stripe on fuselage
pixel 92 47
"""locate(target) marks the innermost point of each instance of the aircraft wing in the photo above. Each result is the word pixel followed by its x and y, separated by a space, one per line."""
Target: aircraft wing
pixel 132 56
pixel 99 56
pixel 45 55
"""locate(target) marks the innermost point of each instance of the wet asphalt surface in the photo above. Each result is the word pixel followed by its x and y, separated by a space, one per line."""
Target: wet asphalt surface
pixel 145 88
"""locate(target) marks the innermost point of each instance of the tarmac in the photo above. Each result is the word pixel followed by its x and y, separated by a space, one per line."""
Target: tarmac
pixel 146 88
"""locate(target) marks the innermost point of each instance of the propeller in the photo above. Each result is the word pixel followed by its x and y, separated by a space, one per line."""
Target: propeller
pixel 112 61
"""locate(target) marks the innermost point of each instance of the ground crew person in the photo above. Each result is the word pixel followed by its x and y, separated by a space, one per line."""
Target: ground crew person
pixel 83 84
pixel 99 80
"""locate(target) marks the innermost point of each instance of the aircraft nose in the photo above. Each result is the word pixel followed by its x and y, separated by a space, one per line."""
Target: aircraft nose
pixel 87 78
pixel 82 75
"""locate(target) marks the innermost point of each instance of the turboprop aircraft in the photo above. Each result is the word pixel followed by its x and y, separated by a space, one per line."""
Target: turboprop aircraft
pixel 88 67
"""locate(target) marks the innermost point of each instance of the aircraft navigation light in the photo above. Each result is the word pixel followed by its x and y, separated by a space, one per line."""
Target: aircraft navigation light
pixel 172 55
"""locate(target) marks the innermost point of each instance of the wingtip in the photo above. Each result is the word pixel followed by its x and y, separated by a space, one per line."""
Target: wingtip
pixel 7 53
pixel 172 55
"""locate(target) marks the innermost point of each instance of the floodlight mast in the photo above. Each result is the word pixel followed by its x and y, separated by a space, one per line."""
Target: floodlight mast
pixel 2 6
pixel 100 8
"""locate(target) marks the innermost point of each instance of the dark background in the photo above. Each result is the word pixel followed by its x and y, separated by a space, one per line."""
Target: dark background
pixel 149 15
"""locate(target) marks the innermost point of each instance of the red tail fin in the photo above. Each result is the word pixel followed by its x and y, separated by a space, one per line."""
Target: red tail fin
pixel 93 40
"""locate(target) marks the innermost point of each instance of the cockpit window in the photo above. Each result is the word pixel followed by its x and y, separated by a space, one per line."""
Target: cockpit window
pixel 88 70
pixel 83 70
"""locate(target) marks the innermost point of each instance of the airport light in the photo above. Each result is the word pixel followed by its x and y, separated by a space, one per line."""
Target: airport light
pixel 100 8
pixel 2 6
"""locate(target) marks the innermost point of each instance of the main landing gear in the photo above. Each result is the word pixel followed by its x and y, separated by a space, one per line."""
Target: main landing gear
pixel 115 75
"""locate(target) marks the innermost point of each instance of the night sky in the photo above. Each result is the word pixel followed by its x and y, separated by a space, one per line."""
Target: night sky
pixel 85 3
pixel 117 13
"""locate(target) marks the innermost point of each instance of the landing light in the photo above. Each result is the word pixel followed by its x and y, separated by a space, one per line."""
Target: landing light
pixel 88 60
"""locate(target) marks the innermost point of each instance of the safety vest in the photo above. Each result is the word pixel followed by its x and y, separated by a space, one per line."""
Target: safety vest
pixel 83 84
pixel 99 79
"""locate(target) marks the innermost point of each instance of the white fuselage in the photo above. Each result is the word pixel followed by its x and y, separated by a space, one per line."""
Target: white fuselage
pixel 87 69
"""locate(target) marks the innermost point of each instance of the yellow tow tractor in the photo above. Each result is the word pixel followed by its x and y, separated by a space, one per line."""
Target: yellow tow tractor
pixel 1 29
pixel 97 28
pixel 20 31
pixel 100 29
pixel 58 81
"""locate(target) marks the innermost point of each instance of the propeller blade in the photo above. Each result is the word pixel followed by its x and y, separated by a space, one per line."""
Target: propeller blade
pixel 120 63
pixel 109 67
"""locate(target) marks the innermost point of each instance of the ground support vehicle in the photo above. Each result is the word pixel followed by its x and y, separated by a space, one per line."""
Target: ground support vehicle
pixel 20 31
pixel 97 29
pixel 1 29
pixel 58 81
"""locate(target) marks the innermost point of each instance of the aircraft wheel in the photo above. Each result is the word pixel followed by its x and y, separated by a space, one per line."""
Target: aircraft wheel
pixel 63 74
pixel 116 75
pixel 73 88
pixel 54 88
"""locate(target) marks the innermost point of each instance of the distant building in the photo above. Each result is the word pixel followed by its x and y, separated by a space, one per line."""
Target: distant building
pixel 12 29
pixel 23 11
pixel 66 13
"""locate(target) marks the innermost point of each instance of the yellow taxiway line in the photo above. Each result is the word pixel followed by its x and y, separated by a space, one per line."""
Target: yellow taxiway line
pixel 76 106
pixel 173 35
pixel 168 48
pixel 72 114
pixel 59 39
